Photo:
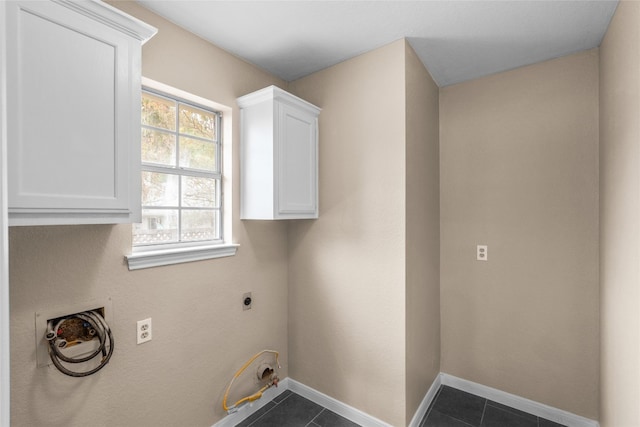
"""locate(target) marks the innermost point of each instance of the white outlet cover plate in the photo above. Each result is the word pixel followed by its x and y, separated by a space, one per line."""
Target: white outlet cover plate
pixel 482 253
pixel 139 331
pixel 42 345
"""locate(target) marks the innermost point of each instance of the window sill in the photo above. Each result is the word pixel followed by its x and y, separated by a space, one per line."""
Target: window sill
pixel 148 259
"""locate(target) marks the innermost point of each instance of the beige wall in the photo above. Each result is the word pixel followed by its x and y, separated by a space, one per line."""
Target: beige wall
pixel 519 173
pixel 619 214
pixel 422 232
pixel 364 277
pixel 346 269
pixel 201 335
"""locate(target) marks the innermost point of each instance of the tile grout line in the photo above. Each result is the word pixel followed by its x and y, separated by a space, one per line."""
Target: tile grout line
pixel 513 411
pixel 266 412
pixel 453 417
pixel 457 419
pixel 486 401
pixel 317 415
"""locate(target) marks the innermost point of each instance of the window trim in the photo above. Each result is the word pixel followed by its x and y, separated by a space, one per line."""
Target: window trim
pixel 175 253
pixel 156 258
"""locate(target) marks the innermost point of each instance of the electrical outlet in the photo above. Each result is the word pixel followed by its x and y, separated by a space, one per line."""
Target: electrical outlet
pixel 482 253
pixel 246 301
pixel 144 330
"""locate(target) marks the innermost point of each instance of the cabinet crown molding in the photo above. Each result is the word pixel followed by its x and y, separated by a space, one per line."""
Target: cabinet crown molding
pixel 112 17
pixel 274 93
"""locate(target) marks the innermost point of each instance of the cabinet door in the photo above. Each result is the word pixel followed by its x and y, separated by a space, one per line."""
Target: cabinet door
pixel 70 112
pixel 297 174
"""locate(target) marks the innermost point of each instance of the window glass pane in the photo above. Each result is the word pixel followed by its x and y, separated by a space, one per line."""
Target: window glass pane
pixel 158 226
pixel 159 189
pixel 199 225
pixel 197 122
pixel 179 140
pixel 158 147
pixel 158 112
pixel 197 154
pixel 199 192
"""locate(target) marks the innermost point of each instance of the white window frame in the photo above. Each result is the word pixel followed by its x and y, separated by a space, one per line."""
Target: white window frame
pixel 174 253
pixel 178 171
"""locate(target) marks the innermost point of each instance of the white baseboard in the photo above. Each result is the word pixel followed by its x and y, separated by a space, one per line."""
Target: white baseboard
pixel 363 419
pixel 424 405
pixel 247 410
pixel 342 409
pixel 517 402
pixel 315 396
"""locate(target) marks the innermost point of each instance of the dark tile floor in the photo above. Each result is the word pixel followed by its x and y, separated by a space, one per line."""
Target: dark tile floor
pixel 292 410
pixel 456 408
pixel 450 408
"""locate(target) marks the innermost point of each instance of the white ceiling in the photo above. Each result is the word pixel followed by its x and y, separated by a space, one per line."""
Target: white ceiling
pixel 456 40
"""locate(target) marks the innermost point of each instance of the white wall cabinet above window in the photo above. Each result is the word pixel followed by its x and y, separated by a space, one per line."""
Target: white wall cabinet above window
pixel 73 104
pixel 279 156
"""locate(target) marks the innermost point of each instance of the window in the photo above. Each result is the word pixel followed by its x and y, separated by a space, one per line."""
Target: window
pixel 180 173
pixel 182 182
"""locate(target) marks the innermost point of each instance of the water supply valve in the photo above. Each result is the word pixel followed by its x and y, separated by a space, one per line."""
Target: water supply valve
pixel 86 329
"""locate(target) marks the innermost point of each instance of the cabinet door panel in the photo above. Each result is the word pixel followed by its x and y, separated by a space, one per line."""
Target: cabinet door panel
pixel 67 148
pixel 297 168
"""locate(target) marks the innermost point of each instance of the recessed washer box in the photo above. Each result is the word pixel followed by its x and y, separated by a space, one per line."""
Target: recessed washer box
pixel 43 317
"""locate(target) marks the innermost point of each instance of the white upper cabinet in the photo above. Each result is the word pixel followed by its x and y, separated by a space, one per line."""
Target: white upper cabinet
pixel 73 107
pixel 279 156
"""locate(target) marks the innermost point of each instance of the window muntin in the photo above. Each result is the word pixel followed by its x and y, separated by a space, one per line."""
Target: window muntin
pixel 181 173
